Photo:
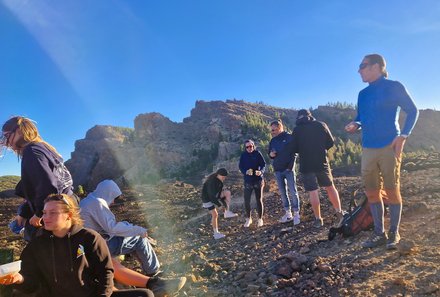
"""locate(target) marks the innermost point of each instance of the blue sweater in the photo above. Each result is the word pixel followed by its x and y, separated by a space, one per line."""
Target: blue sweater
pixel 253 161
pixel 283 160
pixel 379 106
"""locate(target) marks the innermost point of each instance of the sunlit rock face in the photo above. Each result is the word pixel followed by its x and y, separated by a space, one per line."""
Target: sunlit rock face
pixel 211 136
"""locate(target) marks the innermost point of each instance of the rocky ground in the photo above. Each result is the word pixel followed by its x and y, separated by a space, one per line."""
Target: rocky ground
pixel 277 259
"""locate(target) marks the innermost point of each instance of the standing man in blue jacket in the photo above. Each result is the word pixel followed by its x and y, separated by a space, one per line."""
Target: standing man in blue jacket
pixel 379 106
pixel 283 165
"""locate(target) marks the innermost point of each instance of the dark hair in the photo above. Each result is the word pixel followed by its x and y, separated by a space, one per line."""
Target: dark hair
pixel 222 172
pixel 378 59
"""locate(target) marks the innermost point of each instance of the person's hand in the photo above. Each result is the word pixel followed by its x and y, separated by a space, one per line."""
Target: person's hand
pixel 258 172
pixel 15 278
pixel 145 235
pixel 351 127
pixel 20 221
pixel 273 154
pixel 249 171
pixel 397 145
pixel 35 221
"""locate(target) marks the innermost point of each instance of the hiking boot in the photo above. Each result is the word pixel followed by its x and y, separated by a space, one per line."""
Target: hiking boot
pixel 393 240
pixel 318 223
pixel 260 223
pixel 219 235
pixel 229 214
pixel 248 222
pixel 340 217
pixel 296 218
pixel 287 217
pixel 165 287
pixel 375 240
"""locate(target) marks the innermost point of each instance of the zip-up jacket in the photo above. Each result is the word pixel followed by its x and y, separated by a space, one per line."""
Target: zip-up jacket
pixel 77 265
pixel 283 160
pixel 97 215
pixel 311 142
pixel 254 161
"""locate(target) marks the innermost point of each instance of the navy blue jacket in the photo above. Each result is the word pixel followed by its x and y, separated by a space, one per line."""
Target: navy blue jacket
pixel 253 161
pixel 283 160
pixel 38 179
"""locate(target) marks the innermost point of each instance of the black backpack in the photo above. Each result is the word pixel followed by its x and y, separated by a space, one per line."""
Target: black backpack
pixel 358 219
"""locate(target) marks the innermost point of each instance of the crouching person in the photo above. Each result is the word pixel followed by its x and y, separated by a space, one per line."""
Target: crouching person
pixel 67 259
pixel 124 238
pixel 214 195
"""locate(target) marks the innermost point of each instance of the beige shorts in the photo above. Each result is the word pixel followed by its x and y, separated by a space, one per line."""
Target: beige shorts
pixel 380 165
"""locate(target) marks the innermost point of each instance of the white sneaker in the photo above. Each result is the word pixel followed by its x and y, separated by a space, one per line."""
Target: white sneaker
pixel 296 218
pixel 260 223
pixel 219 235
pixel 229 214
pixel 287 217
pixel 248 222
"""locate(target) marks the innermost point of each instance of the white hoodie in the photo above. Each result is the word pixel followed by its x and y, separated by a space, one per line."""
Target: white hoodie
pixel 97 215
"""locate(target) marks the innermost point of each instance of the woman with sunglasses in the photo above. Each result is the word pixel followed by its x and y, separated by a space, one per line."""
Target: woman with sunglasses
pixel 252 166
pixel 67 259
pixel 42 170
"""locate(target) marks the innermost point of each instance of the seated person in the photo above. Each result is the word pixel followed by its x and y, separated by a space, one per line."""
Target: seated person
pixel 124 238
pixel 67 259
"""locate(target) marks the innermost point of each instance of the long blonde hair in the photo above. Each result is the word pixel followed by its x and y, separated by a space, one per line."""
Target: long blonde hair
pixel 69 205
pixel 29 131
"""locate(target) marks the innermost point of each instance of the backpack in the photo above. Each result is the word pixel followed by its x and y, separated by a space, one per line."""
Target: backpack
pixel 358 219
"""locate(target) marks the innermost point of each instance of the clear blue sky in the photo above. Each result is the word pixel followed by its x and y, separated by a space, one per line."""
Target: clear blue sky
pixel 72 64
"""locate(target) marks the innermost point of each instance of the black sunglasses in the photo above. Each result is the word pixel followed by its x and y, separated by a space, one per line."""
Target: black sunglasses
pixel 57 197
pixel 363 65
pixel 249 146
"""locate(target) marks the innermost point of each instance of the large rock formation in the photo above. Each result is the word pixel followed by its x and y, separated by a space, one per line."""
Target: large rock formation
pixel 212 135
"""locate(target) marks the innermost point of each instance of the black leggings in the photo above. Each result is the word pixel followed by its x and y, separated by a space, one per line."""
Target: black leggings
pixel 133 293
pixel 248 189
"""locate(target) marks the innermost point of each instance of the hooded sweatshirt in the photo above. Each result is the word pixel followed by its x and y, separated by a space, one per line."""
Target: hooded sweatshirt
pixel 76 265
pixel 97 215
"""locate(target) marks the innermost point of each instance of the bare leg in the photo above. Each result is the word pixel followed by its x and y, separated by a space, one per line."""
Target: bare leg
pixel 314 201
pixel 214 217
pixel 227 195
pixel 333 196
pixel 127 276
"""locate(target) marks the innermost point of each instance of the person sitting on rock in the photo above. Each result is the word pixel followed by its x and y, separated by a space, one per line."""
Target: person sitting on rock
pixel 124 238
pixel 214 195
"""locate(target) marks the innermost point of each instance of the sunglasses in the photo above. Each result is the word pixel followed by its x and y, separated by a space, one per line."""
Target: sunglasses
pixel 6 136
pixel 363 65
pixel 249 146
pixel 58 197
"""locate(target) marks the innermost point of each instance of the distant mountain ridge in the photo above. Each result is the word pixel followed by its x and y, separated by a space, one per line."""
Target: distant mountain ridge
pixel 211 136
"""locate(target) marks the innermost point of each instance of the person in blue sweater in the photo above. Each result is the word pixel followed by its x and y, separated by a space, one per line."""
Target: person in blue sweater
pixel 42 171
pixel 252 166
pixel 284 166
pixel 378 110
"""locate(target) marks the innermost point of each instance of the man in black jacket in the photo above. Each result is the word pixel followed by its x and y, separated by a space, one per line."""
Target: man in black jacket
pixel 312 140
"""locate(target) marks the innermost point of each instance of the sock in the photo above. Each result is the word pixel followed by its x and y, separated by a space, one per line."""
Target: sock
pixel 377 211
pixel 395 215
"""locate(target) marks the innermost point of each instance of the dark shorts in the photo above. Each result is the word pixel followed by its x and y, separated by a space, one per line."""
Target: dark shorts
pixel 313 180
pixel 211 206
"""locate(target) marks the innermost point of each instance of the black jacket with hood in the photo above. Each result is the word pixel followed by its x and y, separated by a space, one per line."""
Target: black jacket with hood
pixel 77 265
pixel 312 140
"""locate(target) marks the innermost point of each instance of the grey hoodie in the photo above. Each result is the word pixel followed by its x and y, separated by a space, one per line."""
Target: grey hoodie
pixel 97 215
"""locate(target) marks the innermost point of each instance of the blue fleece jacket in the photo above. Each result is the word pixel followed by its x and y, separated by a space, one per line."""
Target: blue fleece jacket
pixel 283 160
pixel 253 161
pixel 379 106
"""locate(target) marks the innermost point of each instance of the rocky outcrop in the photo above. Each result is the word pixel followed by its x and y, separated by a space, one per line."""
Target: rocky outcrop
pixel 212 135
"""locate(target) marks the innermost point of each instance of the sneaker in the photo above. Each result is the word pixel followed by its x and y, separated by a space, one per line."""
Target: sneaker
pixel 375 240
pixel 296 218
pixel 229 214
pixel 287 217
pixel 318 223
pixel 165 287
pixel 393 240
pixel 248 222
pixel 260 223
pixel 219 235
pixel 339 218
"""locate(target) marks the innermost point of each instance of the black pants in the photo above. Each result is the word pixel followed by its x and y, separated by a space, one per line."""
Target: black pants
pixel 248 189
pixel 133 293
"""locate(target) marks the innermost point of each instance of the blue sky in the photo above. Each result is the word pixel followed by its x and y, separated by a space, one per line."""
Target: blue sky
pixel 72 64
